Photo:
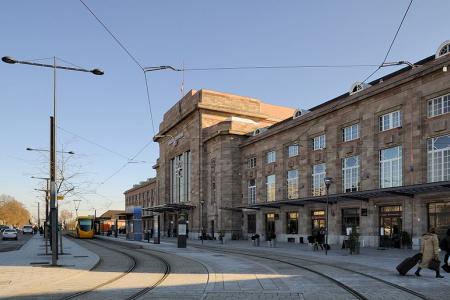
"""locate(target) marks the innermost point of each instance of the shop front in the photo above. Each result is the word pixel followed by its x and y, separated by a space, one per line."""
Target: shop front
pixel 318 221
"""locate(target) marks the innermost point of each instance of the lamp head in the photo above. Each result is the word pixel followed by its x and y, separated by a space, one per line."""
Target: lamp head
pixel 9 60
pixel 328 181
pixel 97 72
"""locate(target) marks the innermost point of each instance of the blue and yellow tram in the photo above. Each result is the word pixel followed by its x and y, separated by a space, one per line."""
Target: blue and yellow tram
pixel 85 227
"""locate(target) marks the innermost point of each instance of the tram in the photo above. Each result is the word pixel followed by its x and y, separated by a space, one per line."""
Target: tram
pixel 85 227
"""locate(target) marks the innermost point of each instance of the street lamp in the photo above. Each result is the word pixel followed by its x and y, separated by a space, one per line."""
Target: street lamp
pixel 328 181
pixel 45 150
pixel 53 208
pixel 201 220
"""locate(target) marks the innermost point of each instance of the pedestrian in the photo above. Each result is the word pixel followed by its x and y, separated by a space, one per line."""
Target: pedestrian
pixel 321 237
pixel 430 251
pixel 445 246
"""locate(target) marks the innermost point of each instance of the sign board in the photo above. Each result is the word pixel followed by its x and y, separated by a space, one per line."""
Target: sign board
pixel 60 198
pixel 181 229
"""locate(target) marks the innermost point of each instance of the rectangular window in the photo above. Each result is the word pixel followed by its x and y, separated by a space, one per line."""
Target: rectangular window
pixel 251 223
pixel 271 157
pixel 439 106
pixel 292 223
pixel 350 219
pixel 251 162
pixel 292 184
pixel 391 167
pixel 390 120
pixel 350 174
pixel 251 191
pixel 319 142
pixel 350 133
pixel 270 183
pixel 318 175
pixel 293 150
pixel 438 158
pixel 180 178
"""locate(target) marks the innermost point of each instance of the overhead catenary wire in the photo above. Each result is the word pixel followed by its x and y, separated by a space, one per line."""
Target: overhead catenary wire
pixel 392 42
pixel 128 53
pixel 94 143
pixel 275 67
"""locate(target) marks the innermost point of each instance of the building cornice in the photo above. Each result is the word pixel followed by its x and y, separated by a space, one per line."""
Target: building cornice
pixel 406 76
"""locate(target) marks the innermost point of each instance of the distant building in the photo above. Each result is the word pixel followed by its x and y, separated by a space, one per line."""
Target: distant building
pixel 236 166
pixel 142 195
pixel 110 220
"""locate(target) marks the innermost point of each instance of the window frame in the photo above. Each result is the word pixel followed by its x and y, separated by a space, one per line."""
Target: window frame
pixel 293 153
pixel 251 162
pixel 348 182
pixel 390 121
pixel 351 136
pixel 271 188
pixel 389 163
pixel 292 183
pixel 442 171
pixel 439 106
pixel 321 139
pixel 271 156
pixel 318 178
pixel 251 191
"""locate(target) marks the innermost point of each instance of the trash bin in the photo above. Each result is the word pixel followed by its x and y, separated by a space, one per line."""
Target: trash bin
pixel 301 240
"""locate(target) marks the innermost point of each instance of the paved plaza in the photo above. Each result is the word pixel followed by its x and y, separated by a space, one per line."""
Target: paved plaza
pixel 114 268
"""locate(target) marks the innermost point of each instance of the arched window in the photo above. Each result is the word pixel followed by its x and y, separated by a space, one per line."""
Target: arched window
pixel 299 112
pixel 443 49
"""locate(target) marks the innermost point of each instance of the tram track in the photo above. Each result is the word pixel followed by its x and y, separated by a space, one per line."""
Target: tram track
pixel 348 288
pixel 131 267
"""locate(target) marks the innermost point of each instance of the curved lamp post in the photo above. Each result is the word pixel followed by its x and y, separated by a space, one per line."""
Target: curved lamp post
pixel 328 181
pixel 53 208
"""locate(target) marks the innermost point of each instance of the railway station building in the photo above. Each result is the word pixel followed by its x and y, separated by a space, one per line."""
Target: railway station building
pixel 236 166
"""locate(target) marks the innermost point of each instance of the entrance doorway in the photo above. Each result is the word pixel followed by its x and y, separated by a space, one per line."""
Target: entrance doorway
pixel 390 226
pixel 439 217
pixel 270 226
pixel 318 221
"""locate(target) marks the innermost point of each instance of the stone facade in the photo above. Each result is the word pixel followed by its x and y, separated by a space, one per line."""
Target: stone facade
pixel 207 138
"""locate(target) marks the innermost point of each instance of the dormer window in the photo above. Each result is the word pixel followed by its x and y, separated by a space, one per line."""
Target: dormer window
pixel 357 87
pixel 259 131
pixel 443 49
pixel 299 112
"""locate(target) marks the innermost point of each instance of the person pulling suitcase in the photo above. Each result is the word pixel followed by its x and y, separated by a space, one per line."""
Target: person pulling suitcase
pixel 430 253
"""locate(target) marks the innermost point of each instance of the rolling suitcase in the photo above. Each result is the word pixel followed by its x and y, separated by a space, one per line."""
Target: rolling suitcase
pixel 408 264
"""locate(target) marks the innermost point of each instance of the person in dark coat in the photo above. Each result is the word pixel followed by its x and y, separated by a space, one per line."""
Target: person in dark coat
pixel 321 237
pixel 430 251
pixel 446 246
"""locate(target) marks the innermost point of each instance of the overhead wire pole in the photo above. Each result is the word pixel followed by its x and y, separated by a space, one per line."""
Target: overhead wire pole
pixel 53 208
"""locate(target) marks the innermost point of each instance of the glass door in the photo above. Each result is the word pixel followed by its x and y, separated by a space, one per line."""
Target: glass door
pixel 270 226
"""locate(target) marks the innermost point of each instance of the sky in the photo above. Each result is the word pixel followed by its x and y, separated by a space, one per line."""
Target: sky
pixel 95 113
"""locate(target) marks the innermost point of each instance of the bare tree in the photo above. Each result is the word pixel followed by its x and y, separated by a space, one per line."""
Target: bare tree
pixel 13 212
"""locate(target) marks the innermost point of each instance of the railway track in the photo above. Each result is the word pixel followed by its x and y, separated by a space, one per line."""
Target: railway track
pixel 285 259
pixel 133 263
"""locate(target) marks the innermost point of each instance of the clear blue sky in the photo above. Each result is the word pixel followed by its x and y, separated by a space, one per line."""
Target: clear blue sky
pixel 112 110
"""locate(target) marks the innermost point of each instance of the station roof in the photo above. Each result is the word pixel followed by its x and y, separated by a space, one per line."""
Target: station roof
pixel 169 207
pixel 402 191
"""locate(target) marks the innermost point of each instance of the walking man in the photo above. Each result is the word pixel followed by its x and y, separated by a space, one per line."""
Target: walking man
pixel 430 251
